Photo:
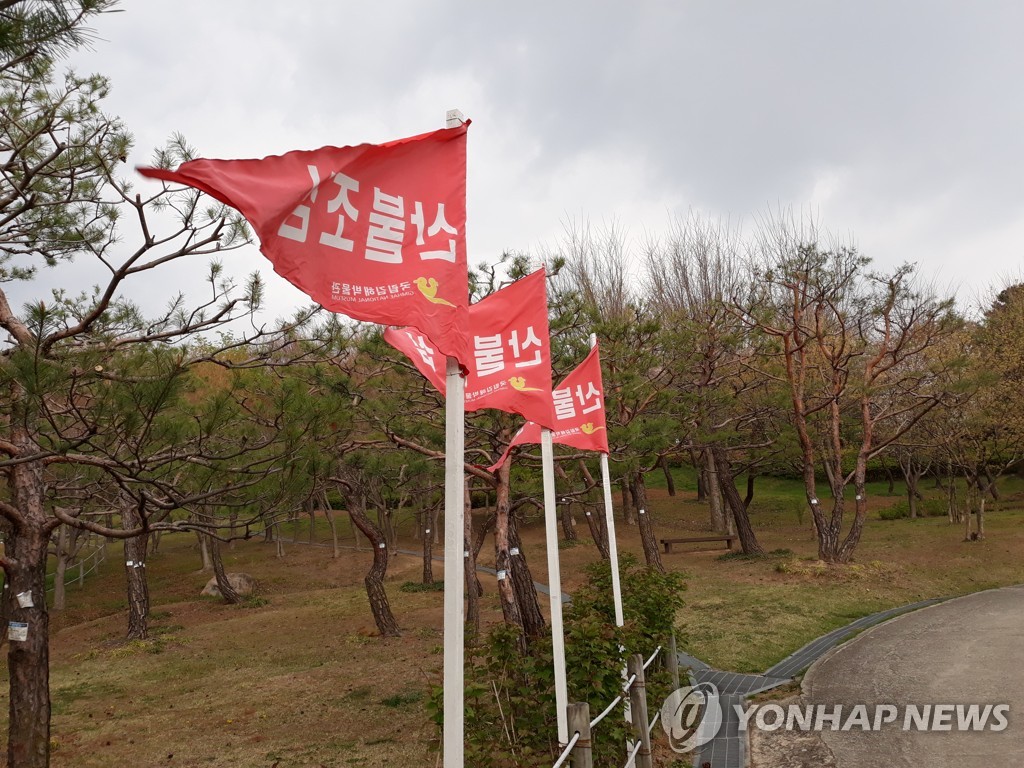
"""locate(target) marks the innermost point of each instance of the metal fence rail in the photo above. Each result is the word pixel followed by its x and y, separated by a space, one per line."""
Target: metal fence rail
pixel 579 749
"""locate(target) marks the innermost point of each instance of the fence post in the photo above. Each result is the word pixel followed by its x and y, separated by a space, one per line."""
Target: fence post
pixel 672 661
pixel 638 708
pixel 579 720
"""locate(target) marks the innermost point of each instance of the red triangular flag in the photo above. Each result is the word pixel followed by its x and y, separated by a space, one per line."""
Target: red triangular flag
pixel 510 368
pixel 376 232
pixel 579 412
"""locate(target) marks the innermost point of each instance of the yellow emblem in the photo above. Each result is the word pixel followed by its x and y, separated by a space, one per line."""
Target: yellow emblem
pixel 428 287
pixel 589 428
pixel 519 383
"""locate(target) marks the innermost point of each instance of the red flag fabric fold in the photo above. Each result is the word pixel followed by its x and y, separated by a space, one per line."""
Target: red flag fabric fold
pixel 376 231
pixel 510 363
pixel 578 404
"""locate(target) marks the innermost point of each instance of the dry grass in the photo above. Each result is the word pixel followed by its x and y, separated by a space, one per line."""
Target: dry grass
pixel 300 679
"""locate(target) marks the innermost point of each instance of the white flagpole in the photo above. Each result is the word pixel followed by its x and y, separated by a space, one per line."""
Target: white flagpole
pixel 609 520
pixel 554 585
pixel 454 565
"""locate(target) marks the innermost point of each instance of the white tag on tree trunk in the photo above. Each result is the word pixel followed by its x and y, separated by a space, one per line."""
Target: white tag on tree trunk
pixel 814 501
pixel 381 545
pixel 858 497
pixel 514 551
pixel 502 575
pixel 25 599
pixel 641 511
pixel 17 631
pixel 428 530
pixel 587 514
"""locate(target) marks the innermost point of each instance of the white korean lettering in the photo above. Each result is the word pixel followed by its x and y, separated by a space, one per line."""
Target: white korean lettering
pixel 426 352
pixel 488 354
pixel 387 228
pixel 341 200
pixel 530 340
pixel 565 408
pixel 592 393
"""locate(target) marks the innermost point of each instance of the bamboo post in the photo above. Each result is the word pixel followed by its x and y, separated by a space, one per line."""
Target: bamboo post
pixel 578 715
pixel 638 709
pixel 672 661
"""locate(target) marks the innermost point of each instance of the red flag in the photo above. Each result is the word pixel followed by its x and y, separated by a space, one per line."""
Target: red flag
pixel 579 412
pixel 510 368
pixel 376 232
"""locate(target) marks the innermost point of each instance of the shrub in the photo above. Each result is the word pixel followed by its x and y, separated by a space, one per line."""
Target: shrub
pixel 510 699
pixel 925 508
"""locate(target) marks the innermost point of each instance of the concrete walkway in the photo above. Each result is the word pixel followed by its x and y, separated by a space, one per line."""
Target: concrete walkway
pixel 964 651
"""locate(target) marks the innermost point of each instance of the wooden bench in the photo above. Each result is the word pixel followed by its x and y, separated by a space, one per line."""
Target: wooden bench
pixel 729 540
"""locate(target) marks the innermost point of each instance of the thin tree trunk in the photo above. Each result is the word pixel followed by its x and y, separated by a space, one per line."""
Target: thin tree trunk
pixel 428 546
pixel 727 484
pixel 223 584
pixel 374 581
pixel 597 531
pixel 750 491
pixel 469 573
pixel 59 589
pixel 647 537
pixel 670 482
pixel 329 514
pixel 502 564
pixel 135 550
pixel 204 552
pixel 568 524
pixel 522 581
pixel 719 522
pixel 628 516
pixel 28 659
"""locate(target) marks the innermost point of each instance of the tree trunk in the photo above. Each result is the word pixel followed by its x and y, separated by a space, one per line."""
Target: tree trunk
pixel 598 531
pixel 670 482
pixel 568 524
pixel 647 537
pixel 60 573
pixel 472 583
pixel 428 545
pixel 702 486
pixel 374 581
pixel 750 491
pixel 137 586
pixel 727 485
pixel 329 514
pixel 628 517
pixel 522 581
pixel 719 520
pixel 502 564
pixel 226 590
pixel 204 552
pixel 28 659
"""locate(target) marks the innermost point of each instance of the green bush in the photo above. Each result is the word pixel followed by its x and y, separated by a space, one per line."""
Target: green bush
pixel 510 698
pixel 925 508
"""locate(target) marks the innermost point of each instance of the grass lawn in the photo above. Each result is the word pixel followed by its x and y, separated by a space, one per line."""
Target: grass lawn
pixel 298 678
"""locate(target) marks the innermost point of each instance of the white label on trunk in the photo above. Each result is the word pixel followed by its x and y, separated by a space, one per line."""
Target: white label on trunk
pixel 858 497
pixel 641 511
pixel 587 514
pixel 428 530
pixel 514 551
pixel 465 553
pixel 25 599
pixel 17 631
pixel 814 501
pixel 381 545
pixel 501 575
pixel 130 563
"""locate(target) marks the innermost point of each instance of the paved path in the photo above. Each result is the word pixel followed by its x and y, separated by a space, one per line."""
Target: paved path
pixel 964 651
pixel 728 748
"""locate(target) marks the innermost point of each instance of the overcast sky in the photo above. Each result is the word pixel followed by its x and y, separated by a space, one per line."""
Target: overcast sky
pixel 898 124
